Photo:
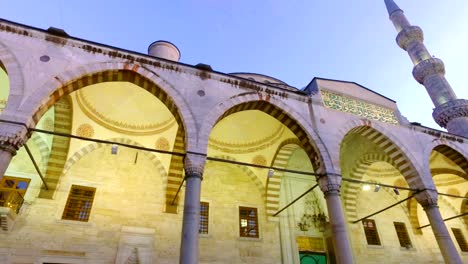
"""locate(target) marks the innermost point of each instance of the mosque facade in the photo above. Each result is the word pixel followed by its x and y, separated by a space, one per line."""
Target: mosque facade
pixel 113 156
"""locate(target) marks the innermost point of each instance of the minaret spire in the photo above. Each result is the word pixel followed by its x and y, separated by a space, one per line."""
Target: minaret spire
pixel 391 6
pixel 450 112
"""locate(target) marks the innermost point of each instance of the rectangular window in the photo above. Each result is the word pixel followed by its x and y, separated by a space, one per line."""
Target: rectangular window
pixel 12 191
pixel 370 230
pixel 79 202
pixel 460 239
pixel 204 214
pixel 248 222
pixel 402 234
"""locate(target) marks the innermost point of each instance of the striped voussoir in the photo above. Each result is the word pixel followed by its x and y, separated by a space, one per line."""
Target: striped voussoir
pixel 351 189
pixel 412 206
pixel 454 156
pixel 60 145
pixel 110 76
pixel 123 75
pixel 94 146
pixel 254 177
pixel 43 149
pixel 11 66
pixel 273 185
pixel 175 175
pixel 284 118
pixel 464 209
pixel 398 158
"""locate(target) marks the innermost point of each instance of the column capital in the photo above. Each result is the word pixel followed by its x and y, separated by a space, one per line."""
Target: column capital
pixel 330 184
pixel 194 164
pixel 12 137
pixel 427 199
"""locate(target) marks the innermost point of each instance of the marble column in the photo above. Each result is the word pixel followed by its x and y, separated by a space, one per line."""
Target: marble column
pixel 193 165
pixel 428 200
pixel 12 137
pixel 330 186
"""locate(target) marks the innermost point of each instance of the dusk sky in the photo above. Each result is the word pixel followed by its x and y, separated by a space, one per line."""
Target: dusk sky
pixel 293 40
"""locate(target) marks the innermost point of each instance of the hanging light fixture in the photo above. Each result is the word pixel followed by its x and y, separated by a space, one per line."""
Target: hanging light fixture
pixel 114 149
pixel 377 188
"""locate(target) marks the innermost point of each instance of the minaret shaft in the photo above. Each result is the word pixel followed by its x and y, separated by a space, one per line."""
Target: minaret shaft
pixel 449 112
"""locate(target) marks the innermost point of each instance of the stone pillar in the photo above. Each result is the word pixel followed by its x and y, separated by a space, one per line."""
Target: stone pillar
pixel 193 165
pixel 330 186
pixel 428 200
pixel 12 137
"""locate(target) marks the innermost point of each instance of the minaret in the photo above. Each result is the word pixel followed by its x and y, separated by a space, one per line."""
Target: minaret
pixel 449 112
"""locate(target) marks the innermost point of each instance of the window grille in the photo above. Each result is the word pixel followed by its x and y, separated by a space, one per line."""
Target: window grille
pixel 204 214
pixel 370 229
pixel 248 222
pixel 402 234
pixel 79 203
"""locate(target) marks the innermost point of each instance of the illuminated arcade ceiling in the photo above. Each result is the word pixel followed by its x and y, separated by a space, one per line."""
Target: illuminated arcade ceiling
pixel 124 107
pixel 247 131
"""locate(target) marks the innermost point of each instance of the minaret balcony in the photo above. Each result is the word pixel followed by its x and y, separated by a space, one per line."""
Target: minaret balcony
pixel 428 67
pixel 408 35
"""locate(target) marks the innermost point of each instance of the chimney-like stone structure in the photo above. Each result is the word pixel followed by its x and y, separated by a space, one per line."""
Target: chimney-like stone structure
pixel 449 112
pixel 164 49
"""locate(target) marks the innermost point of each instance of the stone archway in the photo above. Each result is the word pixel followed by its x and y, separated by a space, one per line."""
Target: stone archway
pixel 308 139
pixel 47 95
pixel 10 64
pixel 280 160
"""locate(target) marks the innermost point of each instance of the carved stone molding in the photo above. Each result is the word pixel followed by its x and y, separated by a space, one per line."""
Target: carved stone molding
pixel 12 137
pixel 194 165
pixel 408 35
pixel 427 199
pixel 450 110
pixel 330 185
pixel 428 67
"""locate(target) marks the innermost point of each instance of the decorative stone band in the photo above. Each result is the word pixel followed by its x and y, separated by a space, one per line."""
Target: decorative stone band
pixel 408 35
pixel 427 199
pixel 194 165
pixel 450 110
pixel 428 67
pixel 330 184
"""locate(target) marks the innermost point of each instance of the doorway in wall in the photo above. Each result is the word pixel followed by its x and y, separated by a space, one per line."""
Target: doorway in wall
pixel 308 257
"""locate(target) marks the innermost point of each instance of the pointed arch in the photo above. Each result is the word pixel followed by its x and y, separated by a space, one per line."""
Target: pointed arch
pixel 273 184
pixel 10 64
pixel 464 209
pixel 412 206
pixel 70 81
pixel 254 177
pixel 43 149
pixel 399 155
pixel 453 155
pixel 309 140
pixel 352 189
pixel 63 113
pixel 75 157
pixel 67 82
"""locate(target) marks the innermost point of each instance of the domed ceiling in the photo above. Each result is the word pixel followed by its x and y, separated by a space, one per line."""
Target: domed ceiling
pixel 125 107
pixel 246 131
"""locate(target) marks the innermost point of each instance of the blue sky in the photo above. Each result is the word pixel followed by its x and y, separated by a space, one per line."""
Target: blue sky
pixel 293 40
